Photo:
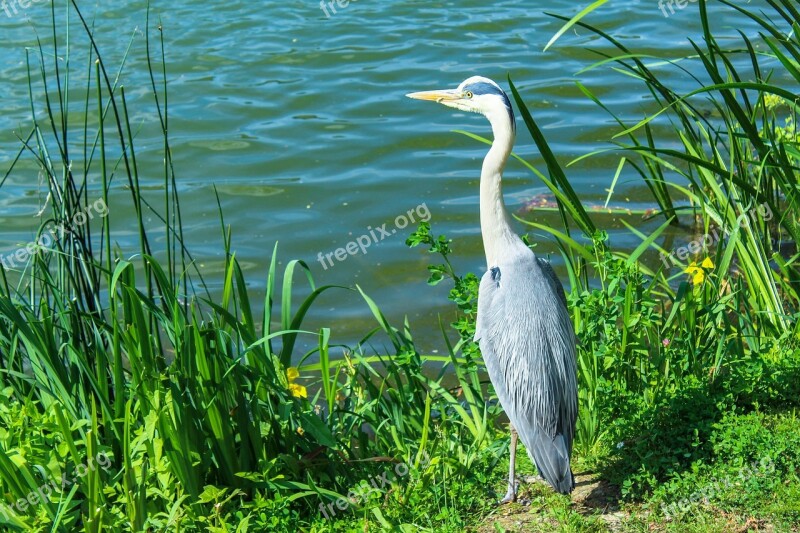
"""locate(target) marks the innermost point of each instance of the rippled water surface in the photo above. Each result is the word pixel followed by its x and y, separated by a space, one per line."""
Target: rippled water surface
pixel 300 123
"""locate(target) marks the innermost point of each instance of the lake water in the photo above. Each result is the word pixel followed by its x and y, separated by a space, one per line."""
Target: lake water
pixel 299 120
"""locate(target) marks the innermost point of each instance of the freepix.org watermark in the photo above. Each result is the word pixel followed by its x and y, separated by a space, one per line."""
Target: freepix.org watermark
pixel 663 5
pixel 763 468
pixel 421 213
pixel 12 7
pixel 21 255
pixel 325 5
pixel 41 494
pixel 708 240
pixel 374 484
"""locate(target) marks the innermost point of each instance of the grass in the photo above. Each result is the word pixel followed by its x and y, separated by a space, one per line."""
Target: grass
pixel 132 400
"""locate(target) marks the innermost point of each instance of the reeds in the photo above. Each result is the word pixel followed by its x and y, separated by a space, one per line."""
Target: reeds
pixel 645 329
pixel 111 350
pixel 117 349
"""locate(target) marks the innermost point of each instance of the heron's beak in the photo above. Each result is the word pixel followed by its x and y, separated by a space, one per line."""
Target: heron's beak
pixel 442 96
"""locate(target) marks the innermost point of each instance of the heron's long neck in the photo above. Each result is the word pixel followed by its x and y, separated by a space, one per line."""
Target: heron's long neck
pixel 495 226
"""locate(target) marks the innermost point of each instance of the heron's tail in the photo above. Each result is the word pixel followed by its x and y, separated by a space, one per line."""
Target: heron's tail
pixel 551 456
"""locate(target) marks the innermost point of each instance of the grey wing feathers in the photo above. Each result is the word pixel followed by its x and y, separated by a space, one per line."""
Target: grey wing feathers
pixel 551 275
pixel 528 346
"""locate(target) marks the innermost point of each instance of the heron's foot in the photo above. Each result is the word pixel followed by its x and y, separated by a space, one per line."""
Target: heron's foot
pixel 511 495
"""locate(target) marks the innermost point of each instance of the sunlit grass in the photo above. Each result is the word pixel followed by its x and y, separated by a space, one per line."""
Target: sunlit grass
pixel 213 417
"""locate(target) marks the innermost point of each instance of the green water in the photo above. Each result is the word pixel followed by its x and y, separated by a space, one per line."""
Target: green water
pixel 300 122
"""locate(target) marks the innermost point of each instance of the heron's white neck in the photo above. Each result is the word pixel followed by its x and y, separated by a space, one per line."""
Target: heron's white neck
pixel 495 225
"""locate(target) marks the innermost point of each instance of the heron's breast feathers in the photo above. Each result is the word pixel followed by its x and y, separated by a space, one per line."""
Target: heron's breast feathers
pixel 528 344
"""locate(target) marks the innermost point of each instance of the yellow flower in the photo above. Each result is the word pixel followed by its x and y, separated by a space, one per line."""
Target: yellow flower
pixel 697 273
pixel 772 101
pixel 298 391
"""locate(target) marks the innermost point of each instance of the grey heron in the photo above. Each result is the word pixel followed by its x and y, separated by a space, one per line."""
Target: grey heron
pixel 523 326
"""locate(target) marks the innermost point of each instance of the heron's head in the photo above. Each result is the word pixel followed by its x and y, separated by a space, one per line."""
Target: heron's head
pixel 476 95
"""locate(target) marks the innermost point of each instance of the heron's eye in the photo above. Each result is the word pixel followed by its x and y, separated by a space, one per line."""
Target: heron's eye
pixel 468 94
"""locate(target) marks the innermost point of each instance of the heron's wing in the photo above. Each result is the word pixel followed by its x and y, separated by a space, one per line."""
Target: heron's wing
pixel 554 281
pixel 528 346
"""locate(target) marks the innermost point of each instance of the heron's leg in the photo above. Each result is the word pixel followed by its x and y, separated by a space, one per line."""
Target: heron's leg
pixel 511 494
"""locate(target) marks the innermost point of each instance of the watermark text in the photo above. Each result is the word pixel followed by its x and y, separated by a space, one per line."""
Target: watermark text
pixel 421 213
pixel 18 258
pixel 42 493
